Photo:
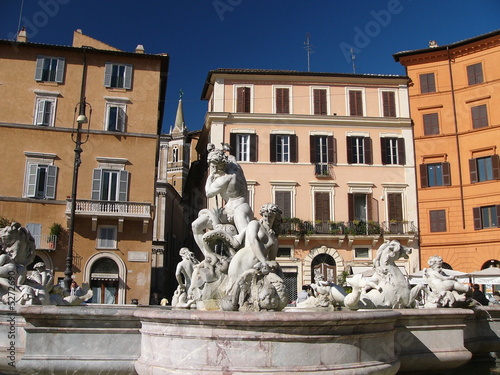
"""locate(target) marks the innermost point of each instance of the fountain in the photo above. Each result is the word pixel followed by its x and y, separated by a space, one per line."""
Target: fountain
pixel 229 314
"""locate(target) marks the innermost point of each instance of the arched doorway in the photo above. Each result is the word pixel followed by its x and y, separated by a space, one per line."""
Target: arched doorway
pixel 491 263
pixel 319 253
pixel 104 277
pixel 324 265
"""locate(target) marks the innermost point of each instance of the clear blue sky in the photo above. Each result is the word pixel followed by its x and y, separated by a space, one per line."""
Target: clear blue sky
pixel 204 35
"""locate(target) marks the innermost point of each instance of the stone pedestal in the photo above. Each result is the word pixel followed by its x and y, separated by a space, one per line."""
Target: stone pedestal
pixel 12 340
pixel 267 343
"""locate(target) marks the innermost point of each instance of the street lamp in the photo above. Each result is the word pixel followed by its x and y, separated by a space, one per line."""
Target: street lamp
pixel 76 137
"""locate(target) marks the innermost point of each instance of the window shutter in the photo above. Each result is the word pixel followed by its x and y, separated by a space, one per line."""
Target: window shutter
pixel 312 148
pixel 32 172
pixel 128 77
pixel 349 150
pixel 401 151
pixel 446 174
pixel 60 69
pixel 253 147
pixel 123 188
pixel 383 149
pixel 293 148
pixel 283 200
pixel 473 171
pixel 350 206
pixel 395 206
pixel 355 103
pixel 322 206
pixel 331 150
pixel 272 147
pixel 319 98
pixel 121 119
pixel 108 67
pixel 282 100
pixel 50 192
pixel 40 111
pixel 495 168
pixel 232 143
pixel 424 181
pixel 423 83
pixel 369 208
pixel 367 145
pixel 389 103
pixel 39 68
pixel 476 211
pixel 497 208
pixel 471 77
pixel 96 184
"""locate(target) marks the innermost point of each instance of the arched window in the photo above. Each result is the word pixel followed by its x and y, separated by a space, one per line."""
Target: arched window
pixel 175 155
pixel 324 264
pixel 104 277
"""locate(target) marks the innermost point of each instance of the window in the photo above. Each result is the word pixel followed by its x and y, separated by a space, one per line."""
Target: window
pixel 45 108
pixel 41 181
pixel 389 103
pixel 359 207
pixel 110 185
pixel 435 174
pixel 36 232
pixel 479 116
pixel 484 169
pixel 243 146
pixel 282 100
pixel 427 83
pixel 362 252
pixel 116 117
pixel 355 102
pixel 283 148
pixel 437 220
pixel 486 217
pixel 49 69
pixel 283 199
pixel 393 151
pixel 431 124
pixel 243 99
pixel 475 74
pixel 359 150
pixel 322 206
pixel 395 207
pixel 106 237
pixel 320 104
pixel 118 76
pixel 323 153
pixel 284 252
pixel 175 155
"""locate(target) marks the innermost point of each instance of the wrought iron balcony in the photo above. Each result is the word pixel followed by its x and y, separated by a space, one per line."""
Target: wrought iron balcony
pixel 322 170
pixel 399 227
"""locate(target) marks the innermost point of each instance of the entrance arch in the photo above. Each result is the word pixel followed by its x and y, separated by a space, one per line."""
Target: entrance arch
pixel 318 252
pixel 106 274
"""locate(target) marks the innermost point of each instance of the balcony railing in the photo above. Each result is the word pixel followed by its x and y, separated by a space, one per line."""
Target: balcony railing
pixel 45 241
pixel 298 227
pixel 322 170
pixel 107 208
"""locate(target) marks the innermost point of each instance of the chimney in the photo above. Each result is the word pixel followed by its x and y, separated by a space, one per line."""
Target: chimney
pixel 139 48
pixel 22 36
pixel 433 44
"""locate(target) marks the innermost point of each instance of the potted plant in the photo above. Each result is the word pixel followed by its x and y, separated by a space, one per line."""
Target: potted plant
pixel 55 232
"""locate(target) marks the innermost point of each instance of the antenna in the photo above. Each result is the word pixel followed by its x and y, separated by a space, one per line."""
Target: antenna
pixel 309 50
pixel 20 16
pixel 353 59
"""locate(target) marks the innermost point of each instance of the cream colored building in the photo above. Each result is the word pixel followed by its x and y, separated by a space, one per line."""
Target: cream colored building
pixel 334 151
pixel 40 86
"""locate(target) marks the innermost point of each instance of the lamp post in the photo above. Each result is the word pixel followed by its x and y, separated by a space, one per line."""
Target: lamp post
pixel 76 137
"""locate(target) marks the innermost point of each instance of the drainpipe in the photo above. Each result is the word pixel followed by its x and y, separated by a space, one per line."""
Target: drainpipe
pixel 456 138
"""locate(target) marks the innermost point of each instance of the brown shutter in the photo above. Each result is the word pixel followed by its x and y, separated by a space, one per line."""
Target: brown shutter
pixel 293 148
pixel 495 166
pixel 284 201
pixel 423 83
pixel 476 211
pixel 331 149
pixel 240 99
pixel 319 98
pixel 253 147
pixel 367 145
pixel 389 104
pixel 286 101
pixel 282 100
pixel 312 148
pixel 401 151
pixel 355 103
pixel 350 206
pixel 349 149
pixel 497 208
pixel 232 143
pixel 383 148
pixel 247 100
pixel 395 206
pixel 369 208
pixel 322 206
pixel 446 174
pixel 424 181
pixel 272 147
pixel 473 171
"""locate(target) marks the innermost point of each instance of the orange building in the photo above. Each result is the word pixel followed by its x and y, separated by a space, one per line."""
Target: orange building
pixel 453 93
pixel 40 85
pixel 334 151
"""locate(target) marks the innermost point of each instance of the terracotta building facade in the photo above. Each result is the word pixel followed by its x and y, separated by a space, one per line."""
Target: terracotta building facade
pixel 454 93
pixel 334 151
pixel 41 86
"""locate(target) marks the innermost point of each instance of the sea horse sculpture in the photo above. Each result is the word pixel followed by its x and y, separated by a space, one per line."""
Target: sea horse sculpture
pixel 388 288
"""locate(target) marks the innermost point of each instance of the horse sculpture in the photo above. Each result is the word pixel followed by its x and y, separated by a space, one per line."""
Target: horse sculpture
pixel 388 288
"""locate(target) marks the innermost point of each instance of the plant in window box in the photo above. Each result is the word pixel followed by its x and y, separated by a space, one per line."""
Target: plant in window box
pixel 55 231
